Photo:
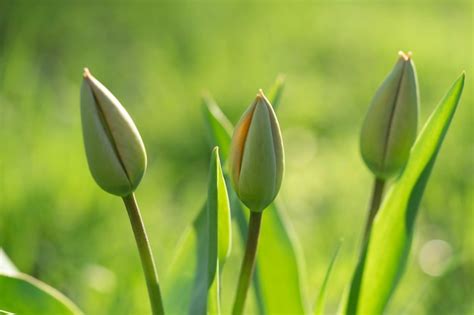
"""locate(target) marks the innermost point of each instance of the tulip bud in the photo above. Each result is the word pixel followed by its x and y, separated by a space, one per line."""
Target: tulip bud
pixel 115 151
pixel 390 127
pixel 256 158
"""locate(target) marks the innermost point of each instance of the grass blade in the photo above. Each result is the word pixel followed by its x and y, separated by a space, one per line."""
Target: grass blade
pixel 321 300
pixel 392 230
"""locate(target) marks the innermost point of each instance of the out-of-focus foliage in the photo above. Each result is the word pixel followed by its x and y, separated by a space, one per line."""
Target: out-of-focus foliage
pixel 57 225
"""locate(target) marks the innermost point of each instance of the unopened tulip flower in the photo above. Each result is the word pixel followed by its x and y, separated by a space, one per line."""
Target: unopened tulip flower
pixel 256 158
pixel 115 151
pixel 390 127
pixel 117 160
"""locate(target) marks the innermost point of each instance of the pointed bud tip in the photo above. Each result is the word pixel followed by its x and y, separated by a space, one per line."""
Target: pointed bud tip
pixel 86 74
pixel 261 97
pixel 405 56
pixel 462 77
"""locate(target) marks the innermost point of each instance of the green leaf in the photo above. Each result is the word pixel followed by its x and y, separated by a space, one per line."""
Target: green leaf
pixel 187 277
pixel 221 208
pixel 276 91
pixel 321 300
pixel 218 127
pixel 392 231
pixel 192 284
pixel 281 282
pixel 6 265
pixel 23 294
pixel 218 211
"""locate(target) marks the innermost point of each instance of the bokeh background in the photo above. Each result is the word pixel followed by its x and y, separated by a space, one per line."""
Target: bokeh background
pixel 158 58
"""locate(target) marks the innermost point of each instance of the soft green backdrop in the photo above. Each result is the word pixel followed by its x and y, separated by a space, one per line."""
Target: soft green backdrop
pixel 56 224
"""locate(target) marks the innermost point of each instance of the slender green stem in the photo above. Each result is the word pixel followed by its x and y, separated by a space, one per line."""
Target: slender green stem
pixel 353 299
pixel 248 264
pixel 146 256
pixel 377 192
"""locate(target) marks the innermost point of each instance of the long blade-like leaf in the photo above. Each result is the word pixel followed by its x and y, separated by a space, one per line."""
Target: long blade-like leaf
pixel 192 283
pixel 321 300
pixel 392 231
pixel 186 280
pixel 218 211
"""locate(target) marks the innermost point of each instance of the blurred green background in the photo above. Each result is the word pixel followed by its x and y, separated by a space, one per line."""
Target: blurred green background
pixel 158 58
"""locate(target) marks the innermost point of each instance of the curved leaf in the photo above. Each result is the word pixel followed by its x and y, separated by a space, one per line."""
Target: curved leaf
pixel 218 127
pixel 23 294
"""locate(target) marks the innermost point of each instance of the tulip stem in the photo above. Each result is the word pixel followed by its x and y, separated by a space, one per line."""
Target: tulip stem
pixel 377 192
pixel 248 263
pixel 146 255
pixel 375 202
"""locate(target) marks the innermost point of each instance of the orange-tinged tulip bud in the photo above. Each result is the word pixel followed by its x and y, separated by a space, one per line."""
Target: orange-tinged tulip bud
pixel 256 158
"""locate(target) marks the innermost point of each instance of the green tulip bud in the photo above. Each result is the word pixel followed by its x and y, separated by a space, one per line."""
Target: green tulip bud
pixel 256 158
pixel 115 151
pixel 390 127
